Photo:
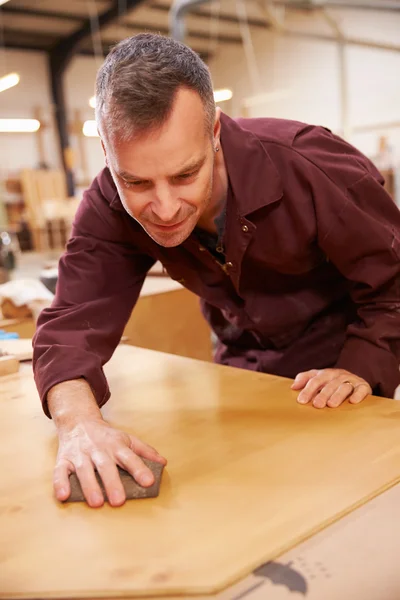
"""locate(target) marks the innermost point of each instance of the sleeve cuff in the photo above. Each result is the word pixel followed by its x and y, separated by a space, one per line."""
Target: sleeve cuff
pixel 376 365
pixel 64 363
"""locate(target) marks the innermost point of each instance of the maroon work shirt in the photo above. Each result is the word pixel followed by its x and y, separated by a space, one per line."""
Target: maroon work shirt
pixel 312 272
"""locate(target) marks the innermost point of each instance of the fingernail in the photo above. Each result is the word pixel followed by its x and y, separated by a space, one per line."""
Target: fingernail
pixel 96 498
pixel 146 479
pixel 301 400
pixel 117 497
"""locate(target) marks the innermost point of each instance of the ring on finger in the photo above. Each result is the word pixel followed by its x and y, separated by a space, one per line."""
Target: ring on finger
pixel 353 387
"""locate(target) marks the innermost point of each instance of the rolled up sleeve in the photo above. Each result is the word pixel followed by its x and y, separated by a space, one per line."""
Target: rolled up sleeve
pixel 100 278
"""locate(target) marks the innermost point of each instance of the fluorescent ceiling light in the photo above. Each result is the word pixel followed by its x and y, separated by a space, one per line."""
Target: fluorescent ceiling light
pixel 3 2
pixel 8 81
pixel 90 129
pixel 19 125
pixel 92 102
pixel 222 95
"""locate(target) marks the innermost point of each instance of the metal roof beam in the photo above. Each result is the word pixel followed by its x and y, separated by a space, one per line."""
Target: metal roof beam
pixel 198 35
pixel 347 40
pixel 13 45
pixel 223 18
pixel 64 50
pixel 345 4
pixel 33 38
pixel 60 56
pixel 47 14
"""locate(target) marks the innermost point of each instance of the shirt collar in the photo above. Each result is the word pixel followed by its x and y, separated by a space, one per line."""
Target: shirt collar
pixel 253 176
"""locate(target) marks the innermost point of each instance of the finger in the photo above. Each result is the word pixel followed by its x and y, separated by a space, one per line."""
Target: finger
pixel 89 484
pixel 132 463
pixel 146 451
pixel 343 391
pixel 361 391
pixel 303 378
pixel 313 387
pixel 324 396
pixel 108 472
pixel 61 473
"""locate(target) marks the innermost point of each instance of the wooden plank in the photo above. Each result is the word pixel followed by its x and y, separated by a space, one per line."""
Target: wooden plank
pixel 21 349
pixel 170 322
pixel 8 365
pixel 331 564
pixel 45 196
pixel 24 327
pixel 251 474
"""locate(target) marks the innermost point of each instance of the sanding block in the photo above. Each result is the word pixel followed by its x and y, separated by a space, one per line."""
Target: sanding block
pixel 132 489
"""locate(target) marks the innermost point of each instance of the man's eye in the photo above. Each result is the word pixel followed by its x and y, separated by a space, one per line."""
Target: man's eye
pixel 134 183
pixel 186 175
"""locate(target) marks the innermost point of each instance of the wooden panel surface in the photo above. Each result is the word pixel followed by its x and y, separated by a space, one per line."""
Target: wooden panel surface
pixel 21 349
pixel 250 474
pixel 24 327
pixel 170 322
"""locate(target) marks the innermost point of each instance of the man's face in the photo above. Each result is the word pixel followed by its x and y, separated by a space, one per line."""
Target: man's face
pixel 165 178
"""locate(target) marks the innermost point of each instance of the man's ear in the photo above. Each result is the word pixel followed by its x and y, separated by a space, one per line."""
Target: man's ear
pixel 217 127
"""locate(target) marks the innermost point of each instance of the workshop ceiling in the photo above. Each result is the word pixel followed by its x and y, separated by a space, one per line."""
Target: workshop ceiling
pixel 41 24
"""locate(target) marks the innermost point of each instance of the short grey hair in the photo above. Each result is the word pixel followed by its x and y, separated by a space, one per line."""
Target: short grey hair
pixel 137 84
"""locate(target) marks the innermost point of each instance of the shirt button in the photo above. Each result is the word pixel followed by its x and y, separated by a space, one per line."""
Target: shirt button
pixel 245 228
pixel 229 265
pixel 202 249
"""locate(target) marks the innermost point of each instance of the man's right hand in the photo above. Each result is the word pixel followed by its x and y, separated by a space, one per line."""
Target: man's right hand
pixel 87 442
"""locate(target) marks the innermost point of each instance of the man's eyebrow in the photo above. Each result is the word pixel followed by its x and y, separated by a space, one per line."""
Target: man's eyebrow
pixel 126 175
pixel 191 166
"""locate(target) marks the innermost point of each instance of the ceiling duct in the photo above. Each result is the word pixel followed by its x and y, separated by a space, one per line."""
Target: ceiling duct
pixel 177 15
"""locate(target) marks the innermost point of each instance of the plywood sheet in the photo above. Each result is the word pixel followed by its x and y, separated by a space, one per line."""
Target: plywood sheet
pixel 251 474
pixel 21 348
pixel 159 322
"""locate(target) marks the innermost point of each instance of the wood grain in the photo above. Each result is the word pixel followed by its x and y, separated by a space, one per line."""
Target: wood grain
pixel 250 474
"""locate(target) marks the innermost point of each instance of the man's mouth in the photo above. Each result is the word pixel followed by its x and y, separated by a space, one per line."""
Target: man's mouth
pixel 169 227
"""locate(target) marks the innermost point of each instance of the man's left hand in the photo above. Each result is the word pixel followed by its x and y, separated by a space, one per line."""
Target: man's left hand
pixel 330 387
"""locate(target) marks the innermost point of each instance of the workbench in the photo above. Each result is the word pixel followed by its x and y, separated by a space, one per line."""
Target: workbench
pixel 166 318
pixel 252 477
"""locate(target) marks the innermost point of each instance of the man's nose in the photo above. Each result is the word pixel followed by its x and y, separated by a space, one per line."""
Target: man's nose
pixel 166 206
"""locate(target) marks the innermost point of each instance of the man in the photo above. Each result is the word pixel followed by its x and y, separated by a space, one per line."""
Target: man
pixel 283 229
